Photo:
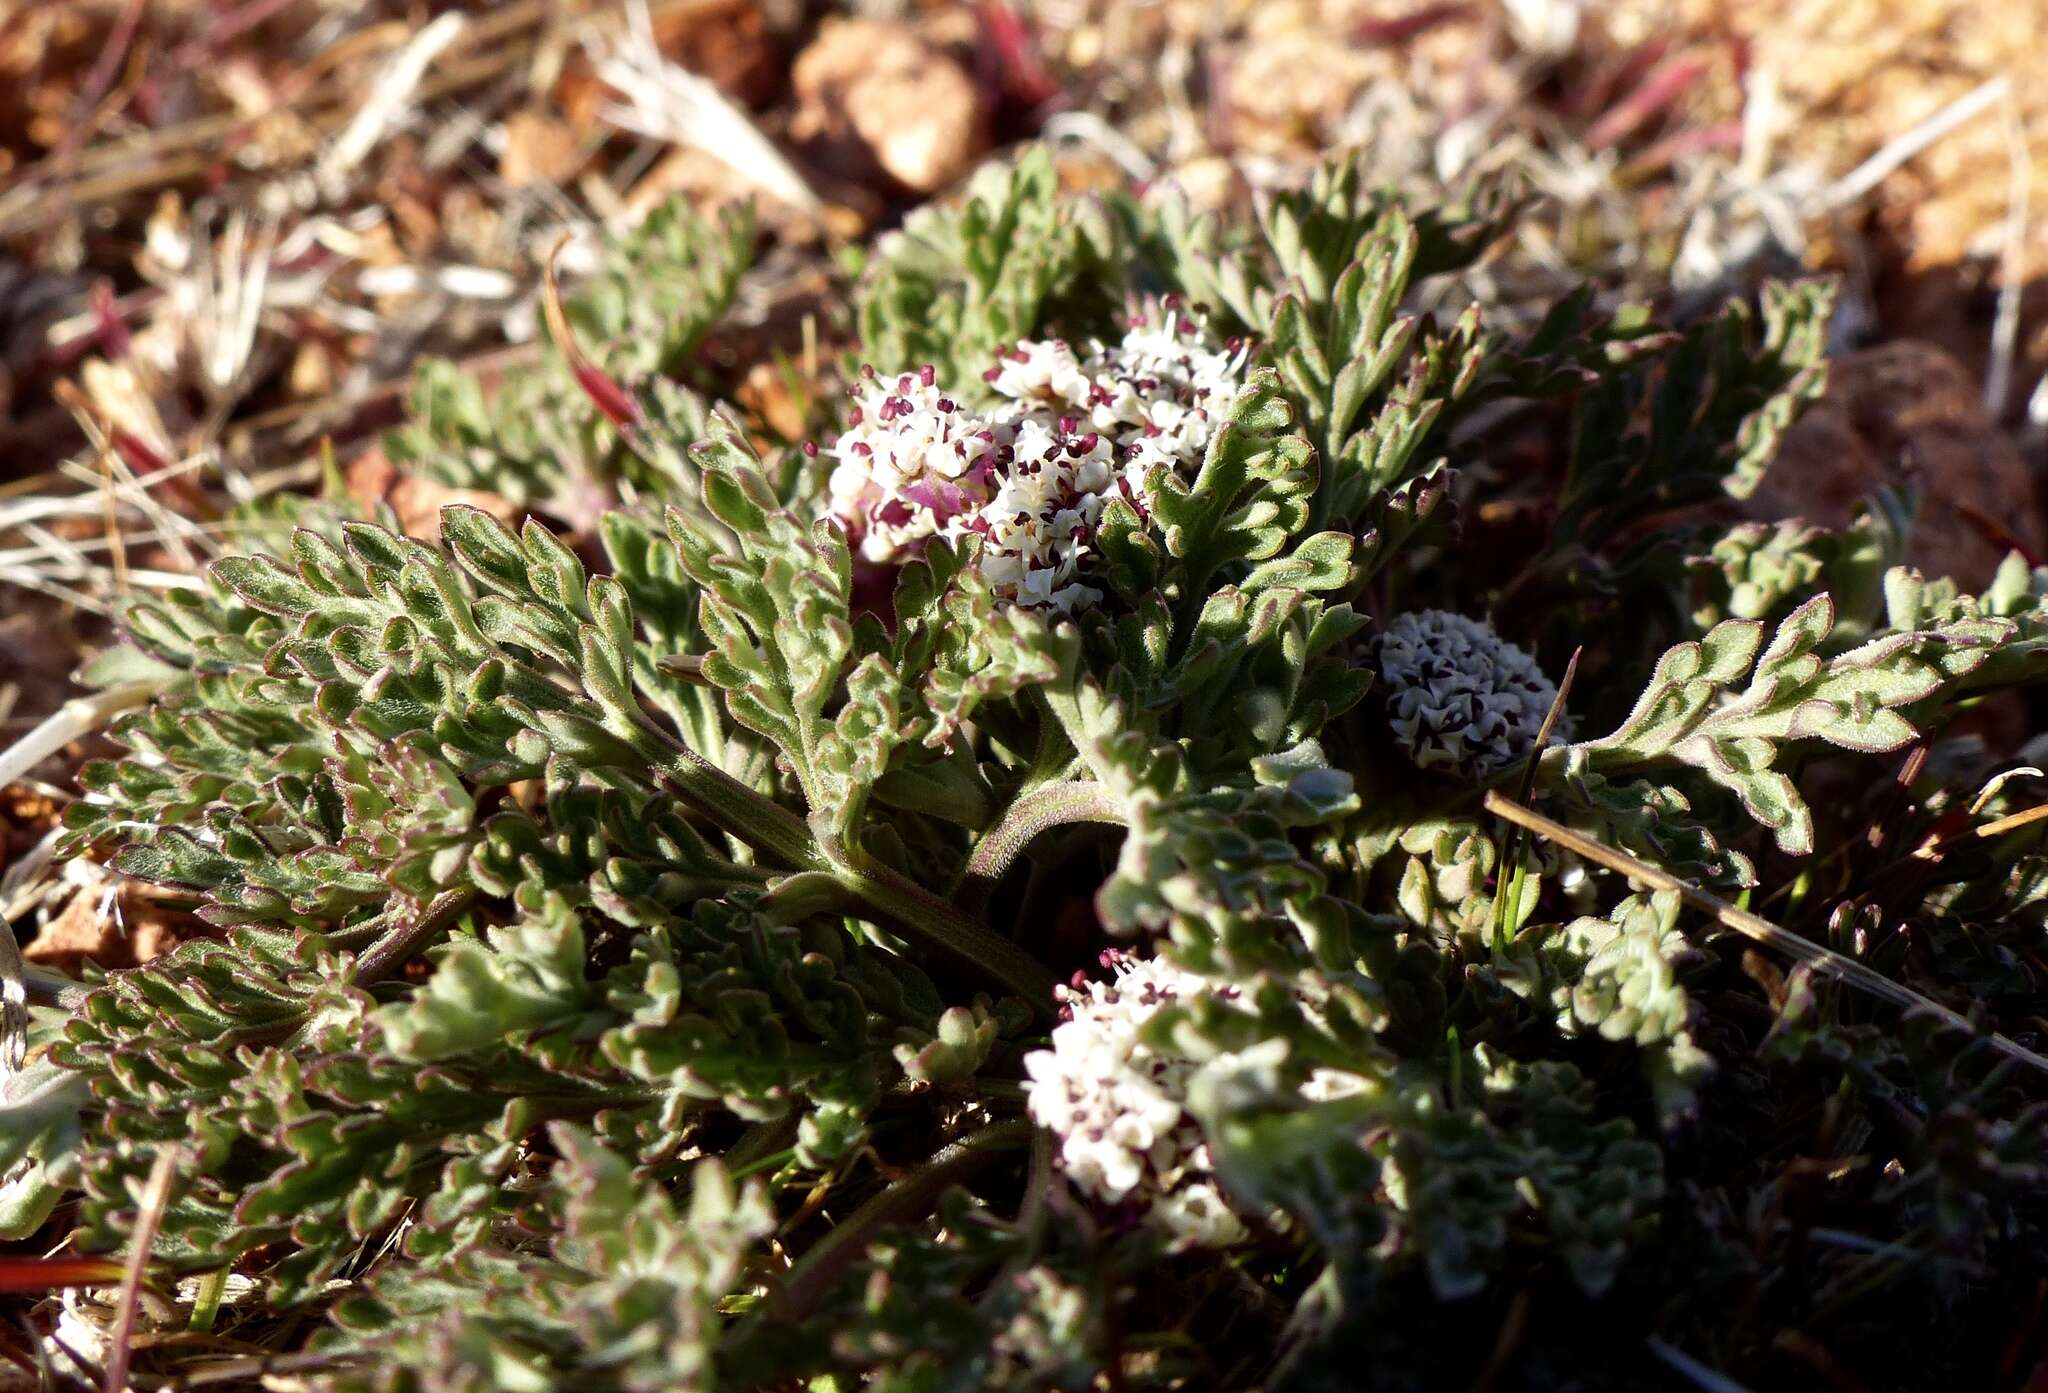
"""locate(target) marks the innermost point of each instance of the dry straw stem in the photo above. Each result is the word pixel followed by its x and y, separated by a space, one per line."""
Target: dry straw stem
pixel 487 47
pixel 665 102
pixel 77 717
pixel 1933 847
pixel 74 718
pixel 156 1197
pixel 389 97
pixel 1887 161
pixel 1823 960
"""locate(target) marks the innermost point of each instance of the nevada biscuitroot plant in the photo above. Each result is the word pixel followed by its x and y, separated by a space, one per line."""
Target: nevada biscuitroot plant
pixel 1000 891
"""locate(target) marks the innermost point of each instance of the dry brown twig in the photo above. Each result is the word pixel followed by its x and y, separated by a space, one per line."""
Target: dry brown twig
pixel 1822 960
pixel 156 1196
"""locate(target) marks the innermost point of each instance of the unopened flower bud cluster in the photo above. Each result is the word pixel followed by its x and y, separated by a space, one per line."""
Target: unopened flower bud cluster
pixel 1459 697
pixel 1032 476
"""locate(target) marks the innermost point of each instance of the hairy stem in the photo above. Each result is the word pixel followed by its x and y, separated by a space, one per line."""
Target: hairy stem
pixel 907 1199
pixel 396 948
pixel 938 925
pixel 772 830
pixel 1043 808
pixel 776 832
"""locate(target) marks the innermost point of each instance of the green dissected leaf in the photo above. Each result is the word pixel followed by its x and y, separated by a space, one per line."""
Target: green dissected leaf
pixel 1760 571
pixel 662 287
pixel 1367 382
pixel 626 1295
pixel 578 1001
pixel 1462 1177
pixel 1617 977
pixel 774 606
pixel 1693 713
pixel 534 436
pixel 1250 495
pixel 1703 418
pixel 530 978
pixel 960 283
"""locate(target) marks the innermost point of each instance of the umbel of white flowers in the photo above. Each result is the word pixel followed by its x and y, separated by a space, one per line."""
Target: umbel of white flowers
pixel 1032 476
pixel 1118 1106
pixel 1461 698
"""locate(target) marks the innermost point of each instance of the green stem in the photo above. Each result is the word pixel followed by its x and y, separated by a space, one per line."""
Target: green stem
pixel 1043 808
pixel 775 831
pixel 398 947
pixel 206 1305
pixel 772 830
pixel 905 1200
pixel 938 925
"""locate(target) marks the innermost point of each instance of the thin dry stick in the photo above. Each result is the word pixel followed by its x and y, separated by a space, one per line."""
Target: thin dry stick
pixel 1511 856
pixel 22 204
pixel 208 131
pixel 2005 824
pixel 1998 827
pixel 1875 170
pixel 156 1196
pixel 110 506
pixel 161 156
pixel 1821 959
pixel 2005 327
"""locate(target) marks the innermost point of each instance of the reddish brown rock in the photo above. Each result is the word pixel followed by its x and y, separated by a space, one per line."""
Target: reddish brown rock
pixel 873 97
pixel 1909 413
pixel 124 929
pixel 539 149
pixel 372 479
pixel 728 41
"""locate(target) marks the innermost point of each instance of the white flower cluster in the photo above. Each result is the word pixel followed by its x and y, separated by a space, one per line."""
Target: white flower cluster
pixel 910 463
pixel 1459 696
pixel 1032 476
pixel 1118 1106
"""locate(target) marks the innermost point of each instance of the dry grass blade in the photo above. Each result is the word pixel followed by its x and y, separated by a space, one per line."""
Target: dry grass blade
pixel 70 721
pixel 2011 821
pixel 1880 166
pixel 1823 960
pixel 1550 721
pixel 1932 849
pixel 1510 875
pixel 149 1217
pixel 664 102
pixel 77 717
pixel 392 94
pixel 13 1001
